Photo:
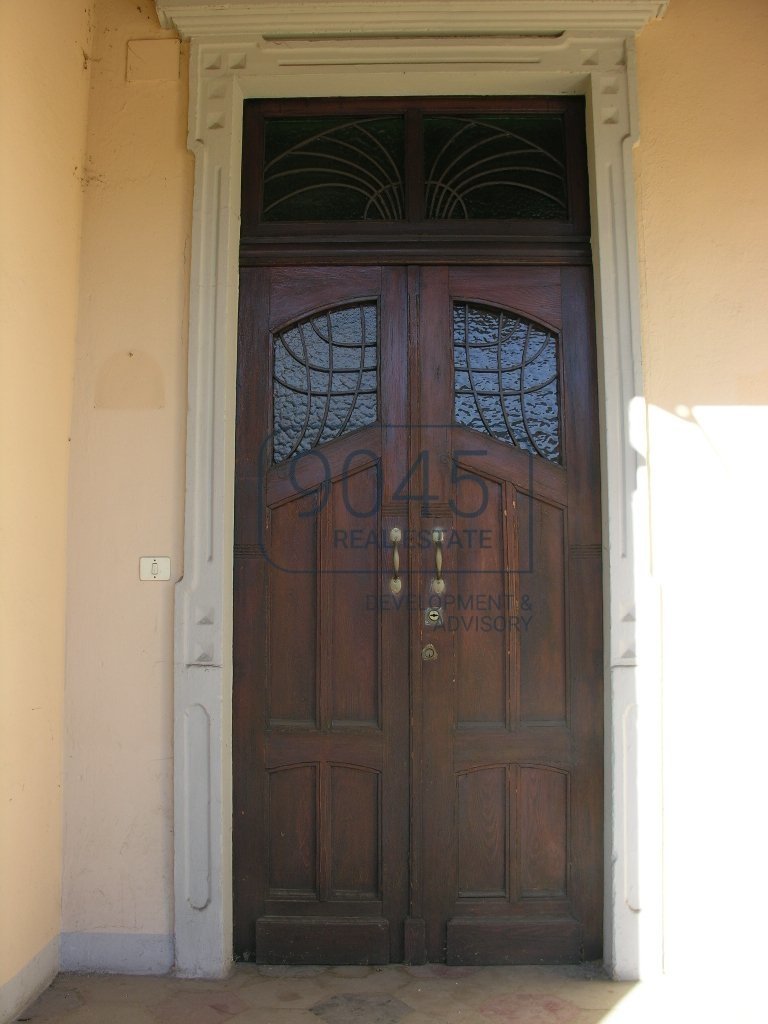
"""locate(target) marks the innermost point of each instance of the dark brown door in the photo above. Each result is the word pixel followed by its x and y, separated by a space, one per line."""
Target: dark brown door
pixel 511 708
pixel 417 714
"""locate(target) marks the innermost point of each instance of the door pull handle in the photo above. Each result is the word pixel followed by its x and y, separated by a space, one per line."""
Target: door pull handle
pixel 395 583
pixel 438 583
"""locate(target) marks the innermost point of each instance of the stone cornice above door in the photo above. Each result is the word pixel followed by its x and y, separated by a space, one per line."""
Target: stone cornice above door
pixel 291 19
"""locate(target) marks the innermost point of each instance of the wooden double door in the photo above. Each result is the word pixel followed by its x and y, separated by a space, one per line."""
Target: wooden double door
pixel 417 617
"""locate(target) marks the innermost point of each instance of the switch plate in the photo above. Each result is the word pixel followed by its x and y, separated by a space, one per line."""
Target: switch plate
pixel 154 567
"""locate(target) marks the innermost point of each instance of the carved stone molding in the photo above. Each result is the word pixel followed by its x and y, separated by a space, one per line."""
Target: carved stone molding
pixel 343 18
pixel 485 47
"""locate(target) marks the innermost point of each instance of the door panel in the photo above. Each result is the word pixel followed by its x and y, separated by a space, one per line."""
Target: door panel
pixel 388 805
pixel 321 680
pixel 511 737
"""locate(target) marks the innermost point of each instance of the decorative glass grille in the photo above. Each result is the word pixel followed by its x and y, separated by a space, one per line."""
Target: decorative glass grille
pixel 477 167
pixel 506 378
pixel 334 168
pixel 495 167
pixel 325 378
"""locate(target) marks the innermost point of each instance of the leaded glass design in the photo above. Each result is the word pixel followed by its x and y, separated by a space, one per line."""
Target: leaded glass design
pixel 333 168
pixel 495 167
pixel 505 378
pixel 325 378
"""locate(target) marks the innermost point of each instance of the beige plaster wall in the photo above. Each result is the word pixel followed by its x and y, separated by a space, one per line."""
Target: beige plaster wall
pixel 703 205
pixel 43 111
pixel 703 201
pixel 127 480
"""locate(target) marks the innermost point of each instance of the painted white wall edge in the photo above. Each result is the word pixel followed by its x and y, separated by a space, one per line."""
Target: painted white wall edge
pixel 116 953
pixel 229 66
pixel 33 979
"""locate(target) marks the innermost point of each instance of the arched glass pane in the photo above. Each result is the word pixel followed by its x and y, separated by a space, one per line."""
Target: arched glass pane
pixel 506 378
pixel 325 378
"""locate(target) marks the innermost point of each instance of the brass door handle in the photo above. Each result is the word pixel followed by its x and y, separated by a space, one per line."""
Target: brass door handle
pixel 438 583
pixel 395 583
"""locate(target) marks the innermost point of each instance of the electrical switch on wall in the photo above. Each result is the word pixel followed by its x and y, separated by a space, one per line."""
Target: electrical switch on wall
pixel 154 567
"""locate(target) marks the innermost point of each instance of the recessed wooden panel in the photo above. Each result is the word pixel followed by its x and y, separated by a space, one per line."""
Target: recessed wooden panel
pixel 536 291
pixel 353 559
pixel 354 834
pixel 293 612
pixel 482 818
pixel 478 612
pixel 542 610
pixel 293 832
pixel 543 830
pixel 321 940
pixel 475 940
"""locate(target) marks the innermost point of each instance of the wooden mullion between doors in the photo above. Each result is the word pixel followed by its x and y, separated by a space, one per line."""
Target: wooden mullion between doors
pixel 393 621
pixel 415 928
pixel 437 677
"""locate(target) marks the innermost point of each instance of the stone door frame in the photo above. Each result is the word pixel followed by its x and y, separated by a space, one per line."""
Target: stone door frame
pixel 286 48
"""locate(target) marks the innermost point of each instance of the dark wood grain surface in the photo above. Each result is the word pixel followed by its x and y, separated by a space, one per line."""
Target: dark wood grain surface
pixel 388 808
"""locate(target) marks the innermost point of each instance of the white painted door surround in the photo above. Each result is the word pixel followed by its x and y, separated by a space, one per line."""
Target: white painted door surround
pixel 285 48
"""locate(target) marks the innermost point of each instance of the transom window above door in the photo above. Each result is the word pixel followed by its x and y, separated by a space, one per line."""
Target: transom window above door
pixel 384 165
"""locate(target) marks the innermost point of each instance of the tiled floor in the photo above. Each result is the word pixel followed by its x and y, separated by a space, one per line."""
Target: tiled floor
pixel 433 994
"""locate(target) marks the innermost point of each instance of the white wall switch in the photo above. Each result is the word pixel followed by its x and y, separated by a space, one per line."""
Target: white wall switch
pixel 154 567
